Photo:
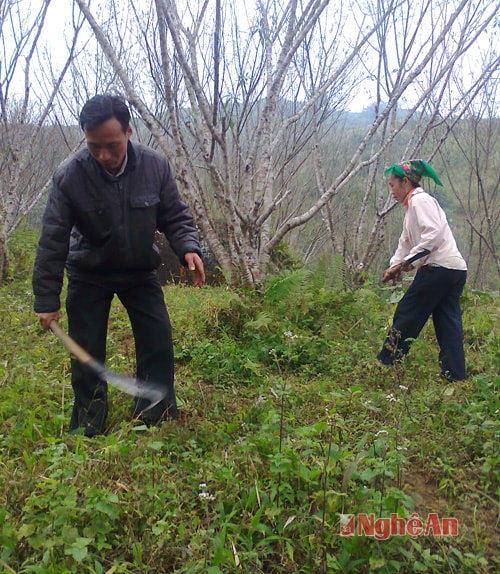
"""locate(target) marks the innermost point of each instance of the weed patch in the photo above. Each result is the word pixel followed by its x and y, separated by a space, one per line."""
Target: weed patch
pixel 288 424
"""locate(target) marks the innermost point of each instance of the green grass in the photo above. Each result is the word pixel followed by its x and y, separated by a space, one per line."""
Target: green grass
pixel 288 421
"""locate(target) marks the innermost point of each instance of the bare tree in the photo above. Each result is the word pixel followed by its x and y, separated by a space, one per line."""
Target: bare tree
pixel 30 145
pixel 418 99
pixel 475 181
pixel 242 108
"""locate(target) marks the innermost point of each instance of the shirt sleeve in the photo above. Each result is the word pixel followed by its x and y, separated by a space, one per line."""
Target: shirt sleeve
pixel 428 224
pixel 404 246
pixel 175 220
pixel 53 246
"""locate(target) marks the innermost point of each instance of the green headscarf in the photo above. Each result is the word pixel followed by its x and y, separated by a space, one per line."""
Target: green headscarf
pixel 413 169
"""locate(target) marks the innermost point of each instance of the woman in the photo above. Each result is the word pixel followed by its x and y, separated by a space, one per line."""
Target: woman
pixel 427 244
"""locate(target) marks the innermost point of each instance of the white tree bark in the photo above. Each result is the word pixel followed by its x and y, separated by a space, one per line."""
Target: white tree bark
pixel 29 148
pixel 247 112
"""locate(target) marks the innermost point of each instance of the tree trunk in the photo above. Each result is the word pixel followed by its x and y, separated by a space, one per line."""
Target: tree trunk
pixel 4 257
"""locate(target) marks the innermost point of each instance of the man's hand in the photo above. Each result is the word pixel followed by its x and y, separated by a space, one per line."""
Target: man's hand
pixel 47 318
pixel 195 265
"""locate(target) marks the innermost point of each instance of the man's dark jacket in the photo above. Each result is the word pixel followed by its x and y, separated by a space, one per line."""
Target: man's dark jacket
pixel 96 224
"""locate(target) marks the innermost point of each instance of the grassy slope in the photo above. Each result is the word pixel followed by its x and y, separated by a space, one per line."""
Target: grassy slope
pixel 288 421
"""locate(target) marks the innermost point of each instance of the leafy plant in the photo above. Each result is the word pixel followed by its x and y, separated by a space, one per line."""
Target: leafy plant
pixel 289 423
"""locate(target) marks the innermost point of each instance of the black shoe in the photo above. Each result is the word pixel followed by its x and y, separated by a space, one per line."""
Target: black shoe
pixel 170 414
pixel 450 378
pixel 90 431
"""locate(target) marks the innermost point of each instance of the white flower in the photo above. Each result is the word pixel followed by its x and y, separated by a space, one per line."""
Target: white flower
pixel 206 496
pixel 203 494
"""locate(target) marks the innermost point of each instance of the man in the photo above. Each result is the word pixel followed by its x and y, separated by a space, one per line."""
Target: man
pixel 426 243
pixel 106 204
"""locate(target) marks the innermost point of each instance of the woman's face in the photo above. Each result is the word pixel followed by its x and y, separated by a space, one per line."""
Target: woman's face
pixel 399 187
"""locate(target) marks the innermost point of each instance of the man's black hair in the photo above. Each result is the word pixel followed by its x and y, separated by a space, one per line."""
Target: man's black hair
pixel 101 108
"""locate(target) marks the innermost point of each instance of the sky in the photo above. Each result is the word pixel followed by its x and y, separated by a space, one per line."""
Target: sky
pixel 58 24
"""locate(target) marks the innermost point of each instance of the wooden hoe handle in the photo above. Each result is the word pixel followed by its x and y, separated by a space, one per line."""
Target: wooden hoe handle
pixel 72 346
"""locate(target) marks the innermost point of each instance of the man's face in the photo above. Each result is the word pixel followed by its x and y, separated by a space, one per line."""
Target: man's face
pixel 399 187
pixel 107 143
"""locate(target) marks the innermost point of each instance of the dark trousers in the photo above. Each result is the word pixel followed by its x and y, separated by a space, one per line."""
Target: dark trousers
pixel 88 305
pixel 436 291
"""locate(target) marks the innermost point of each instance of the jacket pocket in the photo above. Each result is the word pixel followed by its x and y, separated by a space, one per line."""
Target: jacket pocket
pixel 144 206
pixel 144 200
pixel 96 224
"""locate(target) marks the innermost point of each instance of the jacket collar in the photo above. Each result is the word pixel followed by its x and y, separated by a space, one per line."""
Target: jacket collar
pixel 97 169
pixel 132 156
